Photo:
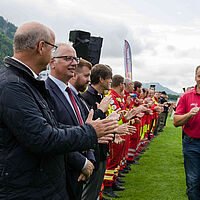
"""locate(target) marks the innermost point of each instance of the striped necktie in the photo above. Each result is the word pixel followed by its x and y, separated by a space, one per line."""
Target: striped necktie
pixel 75 105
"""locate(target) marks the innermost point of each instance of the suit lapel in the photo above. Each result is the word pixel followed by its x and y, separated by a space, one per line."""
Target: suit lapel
pixel 58 93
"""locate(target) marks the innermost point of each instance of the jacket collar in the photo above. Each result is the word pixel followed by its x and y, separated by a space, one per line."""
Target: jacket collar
pixel 94 91
pixel 26 72
pixel 8 61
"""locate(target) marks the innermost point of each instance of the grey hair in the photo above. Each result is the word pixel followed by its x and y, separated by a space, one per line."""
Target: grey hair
pixel 57 52
pixel 127 81
pixel 28 40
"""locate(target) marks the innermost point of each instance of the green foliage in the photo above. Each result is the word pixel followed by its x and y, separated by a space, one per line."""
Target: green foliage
pixel 6 48
pixel 172 97
pixel 7 28
pixel 160 175
pixel 7 31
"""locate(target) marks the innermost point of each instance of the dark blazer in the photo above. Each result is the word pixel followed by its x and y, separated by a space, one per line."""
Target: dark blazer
pixel 32 143
pixel 92 97
pixel 64 114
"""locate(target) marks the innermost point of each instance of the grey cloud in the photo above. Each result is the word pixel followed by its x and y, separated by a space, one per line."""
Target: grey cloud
pixel 190 53
pixel 171 48
pixel 138 63
pixel 113 34
pixel 182 53
pixel 62 21
pixel 172 76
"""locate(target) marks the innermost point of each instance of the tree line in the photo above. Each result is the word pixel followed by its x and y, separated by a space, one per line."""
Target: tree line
pixel 7 31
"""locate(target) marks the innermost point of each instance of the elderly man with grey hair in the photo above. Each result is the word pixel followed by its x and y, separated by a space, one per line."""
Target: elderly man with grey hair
pixel 32 143
pixel 62 67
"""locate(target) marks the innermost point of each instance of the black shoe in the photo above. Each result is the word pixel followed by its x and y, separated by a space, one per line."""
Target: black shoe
pixel 121 175
pixel 187 191
pixel 128 164
pixel 109 192
pixel 131 162
pixel 116 187
pixel 120 184
pixel 127 168
pixel 119 180
pixel 124 171
pixel 137 157
pixel 105 198
pixel 136 163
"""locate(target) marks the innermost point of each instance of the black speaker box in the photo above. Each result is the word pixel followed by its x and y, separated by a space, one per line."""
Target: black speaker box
pixel 80 40
pixel 94 49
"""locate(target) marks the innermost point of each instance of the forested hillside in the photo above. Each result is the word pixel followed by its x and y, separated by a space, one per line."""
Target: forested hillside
pixel 7 31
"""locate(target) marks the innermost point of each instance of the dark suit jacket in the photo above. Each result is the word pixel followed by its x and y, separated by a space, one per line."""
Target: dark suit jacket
pixel 74 160
pixel 92 97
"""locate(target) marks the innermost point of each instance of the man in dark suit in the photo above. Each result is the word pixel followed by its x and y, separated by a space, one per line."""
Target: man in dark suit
pixel 80 165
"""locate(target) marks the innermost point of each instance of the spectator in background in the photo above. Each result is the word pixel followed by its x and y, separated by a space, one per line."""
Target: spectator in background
pixel 127 91
pixel 151 93
pixel 144 93
pixel 137 91
pixel 152 87
pixel 137 88
pixel 168 104
pixel 189 88
pixel 162 116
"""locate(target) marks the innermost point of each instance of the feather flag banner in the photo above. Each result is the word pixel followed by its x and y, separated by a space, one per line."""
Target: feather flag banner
pixel 127 60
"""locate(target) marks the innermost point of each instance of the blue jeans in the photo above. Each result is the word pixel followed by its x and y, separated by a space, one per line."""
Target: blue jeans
pixel 191 152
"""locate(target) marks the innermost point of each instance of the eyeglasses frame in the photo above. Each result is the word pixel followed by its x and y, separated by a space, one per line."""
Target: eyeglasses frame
pixel 53 45
pixel 68 57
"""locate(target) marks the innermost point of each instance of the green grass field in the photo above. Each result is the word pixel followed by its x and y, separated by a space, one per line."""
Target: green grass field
pixel 160 175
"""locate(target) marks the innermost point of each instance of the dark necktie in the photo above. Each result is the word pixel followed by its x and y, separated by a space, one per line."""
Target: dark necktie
pixel 75 105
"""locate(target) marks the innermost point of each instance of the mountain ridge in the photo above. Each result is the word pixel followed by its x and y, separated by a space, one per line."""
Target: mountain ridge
pixel 159 87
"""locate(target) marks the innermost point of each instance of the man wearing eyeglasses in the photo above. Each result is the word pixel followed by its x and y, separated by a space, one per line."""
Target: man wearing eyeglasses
pixel 62 68
pixel 33 144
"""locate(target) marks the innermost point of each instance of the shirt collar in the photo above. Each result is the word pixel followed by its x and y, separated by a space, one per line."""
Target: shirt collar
pixel 59 83
pixel 195 90
pixel 94 91
pixel 34 74
pixel 73 88
pixel 115 93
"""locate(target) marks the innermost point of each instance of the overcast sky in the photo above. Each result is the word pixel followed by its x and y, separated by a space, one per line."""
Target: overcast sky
pixel 164 35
